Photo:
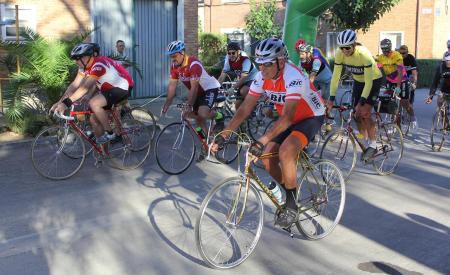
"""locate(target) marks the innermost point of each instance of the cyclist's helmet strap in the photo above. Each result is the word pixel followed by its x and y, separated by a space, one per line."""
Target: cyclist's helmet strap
pixel 82 49
pixel 346 38
pixel 175 47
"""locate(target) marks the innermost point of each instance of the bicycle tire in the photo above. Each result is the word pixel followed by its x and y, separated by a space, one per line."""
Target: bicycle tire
pixel 168 145
pixel 218 215
pixel 46 149
pixel 231 149
pixel 257 124
pixel 133 148
pixel 405 120
pixel 387 135
pixel 147 118
pixel 336 148
pixel 319 190
pixel 437 133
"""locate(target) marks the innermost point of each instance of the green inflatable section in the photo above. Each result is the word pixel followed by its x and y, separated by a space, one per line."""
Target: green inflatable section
pixel 301 21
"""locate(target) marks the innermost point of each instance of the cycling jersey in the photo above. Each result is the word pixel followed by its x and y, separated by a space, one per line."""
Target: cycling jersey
pixel 442 77
pixel 242 64
pixel 292 84
pixel 410 64
pixel 109 74
pixel 317 64
pixel 192 69
pixel 362 66
pixel 390 64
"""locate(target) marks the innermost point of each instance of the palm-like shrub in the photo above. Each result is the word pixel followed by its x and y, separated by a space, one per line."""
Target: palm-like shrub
pixel 45 73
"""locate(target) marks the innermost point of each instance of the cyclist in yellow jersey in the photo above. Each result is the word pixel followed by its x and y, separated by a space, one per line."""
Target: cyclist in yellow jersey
pixel 367 81
pixel 396 77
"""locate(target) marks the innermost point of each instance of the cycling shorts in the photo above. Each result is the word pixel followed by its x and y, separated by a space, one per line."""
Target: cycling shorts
pixel 115 95
pixel 207 99
pixel 309 127
pixel 373 95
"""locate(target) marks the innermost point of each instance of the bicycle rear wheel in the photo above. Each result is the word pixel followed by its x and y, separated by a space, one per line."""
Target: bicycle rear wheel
pixel 133 148
pixel 438 131
pixel 230 149
pixel 223 237
pixel 405 121
pixel 257 124
pixel 175 148
pixel 58 153
pixel 389 149
pixel 146 117
pixel 321 197
pixel 340 147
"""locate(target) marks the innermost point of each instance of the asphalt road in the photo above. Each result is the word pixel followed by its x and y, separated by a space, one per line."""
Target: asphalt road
pixel 105 221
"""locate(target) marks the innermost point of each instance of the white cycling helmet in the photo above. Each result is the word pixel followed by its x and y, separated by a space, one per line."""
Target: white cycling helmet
pixel 270 49
pixel 346 38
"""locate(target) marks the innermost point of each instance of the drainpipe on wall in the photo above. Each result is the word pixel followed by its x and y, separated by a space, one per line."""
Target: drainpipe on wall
pixel 416 51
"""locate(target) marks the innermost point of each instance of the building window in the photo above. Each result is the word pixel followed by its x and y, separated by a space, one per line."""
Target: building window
pixel 231 1
pixel 331 43
pixel 395 37
pixel 27 19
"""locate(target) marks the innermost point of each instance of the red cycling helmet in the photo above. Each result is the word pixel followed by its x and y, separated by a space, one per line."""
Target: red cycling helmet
pixel 299 42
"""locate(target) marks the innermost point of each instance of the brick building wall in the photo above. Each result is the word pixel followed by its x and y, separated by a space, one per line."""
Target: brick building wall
pixel 191 26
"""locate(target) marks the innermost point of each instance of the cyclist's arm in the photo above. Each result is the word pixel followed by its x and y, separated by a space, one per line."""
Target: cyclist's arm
pixel 335 79
pixel 86 85
pixel 242 80
pixel 368 80
pixel 315 69
pixel 414 76
pixel 285 120
pixel 192 96
pixel 225 70
pixel 436 79
pixel 222 76
pixel 399 75
pixel 171 92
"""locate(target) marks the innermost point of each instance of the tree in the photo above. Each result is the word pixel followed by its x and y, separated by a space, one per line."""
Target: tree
pixel 260 22
pixel 212 48
pixel 359 14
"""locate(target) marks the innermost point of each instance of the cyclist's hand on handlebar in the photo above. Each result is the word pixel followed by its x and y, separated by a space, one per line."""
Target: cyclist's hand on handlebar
pixel 256 149
pixel 218 144
pixel 397 90
pixel 60 108
pixel 429 100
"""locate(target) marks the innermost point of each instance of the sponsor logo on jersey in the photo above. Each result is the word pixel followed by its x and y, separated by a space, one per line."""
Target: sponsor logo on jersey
pixel 355 69
pixel 295 83
pixel 316 102
pixel 277 97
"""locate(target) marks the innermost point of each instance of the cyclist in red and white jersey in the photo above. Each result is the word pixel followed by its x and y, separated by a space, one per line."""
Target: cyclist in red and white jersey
pixel 301 110
pixel 203 88
pixel 112 80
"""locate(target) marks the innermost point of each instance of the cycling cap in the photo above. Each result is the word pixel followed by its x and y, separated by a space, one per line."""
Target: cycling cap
pixel 386 44
pixel 270 49
pixel 82 49
pixel 96 48
pixel 305 48
pixel 175 47
pixel 346 38
pixel 299 42
pixel 233 45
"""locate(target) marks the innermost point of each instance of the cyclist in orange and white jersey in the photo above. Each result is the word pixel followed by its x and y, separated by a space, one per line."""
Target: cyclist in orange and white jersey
pixel 301 112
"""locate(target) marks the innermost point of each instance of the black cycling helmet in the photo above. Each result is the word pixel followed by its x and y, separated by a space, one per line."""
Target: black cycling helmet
pixel 386 44
pixel 96 48
pixel 82 49
pixel 233 45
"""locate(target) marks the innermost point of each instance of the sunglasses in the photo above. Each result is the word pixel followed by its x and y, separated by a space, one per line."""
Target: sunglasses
pixel 345 48
pixel 232 53
pixel 267 64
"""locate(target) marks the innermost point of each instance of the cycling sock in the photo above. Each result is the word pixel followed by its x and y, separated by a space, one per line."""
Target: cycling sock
pixel 373 144
pixel 290 198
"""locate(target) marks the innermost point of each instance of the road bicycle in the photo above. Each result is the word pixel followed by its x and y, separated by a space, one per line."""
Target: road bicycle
pixel 341 145
pixel 440 128
pixel 230 219
pixel 176 147
pixel 59 151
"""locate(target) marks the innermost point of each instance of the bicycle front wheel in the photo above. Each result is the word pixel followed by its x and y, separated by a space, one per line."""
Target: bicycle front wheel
pixel 175 148
pixel 321 197
pixel 340 147
pixel 405 121
pixel 229 224
pixel 389 149
pixel 133 148
pixel 230 149
pixel 57 152
pixel 438 131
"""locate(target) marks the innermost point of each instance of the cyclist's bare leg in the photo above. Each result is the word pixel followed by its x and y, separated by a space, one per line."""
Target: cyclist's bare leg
pixel 244 91
pixel 96 126
pixel 96 104
pixel 272 164
pixel 204 113
pixel 288 154
pixel 366 124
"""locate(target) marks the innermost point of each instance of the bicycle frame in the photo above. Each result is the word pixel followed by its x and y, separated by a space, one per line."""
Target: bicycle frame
pixel 249 174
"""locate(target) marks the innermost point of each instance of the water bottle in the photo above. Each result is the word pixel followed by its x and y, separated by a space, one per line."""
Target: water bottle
pixel 276 191
pixel 200 132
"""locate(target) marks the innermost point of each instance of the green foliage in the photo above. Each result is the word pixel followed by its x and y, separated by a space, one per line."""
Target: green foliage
pixel 44 76
pixel 426 69
pixel 359 14
pixel 124 60
pixel 212 48
pixel 260 22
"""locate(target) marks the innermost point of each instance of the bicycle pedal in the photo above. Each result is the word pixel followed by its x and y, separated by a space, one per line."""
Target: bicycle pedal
pixel 288 230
